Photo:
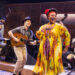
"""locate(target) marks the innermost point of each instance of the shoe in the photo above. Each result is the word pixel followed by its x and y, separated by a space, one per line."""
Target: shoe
pixel 14 74
pixel 19 73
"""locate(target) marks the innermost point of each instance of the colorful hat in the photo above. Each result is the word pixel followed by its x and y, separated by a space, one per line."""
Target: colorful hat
pixel 47 11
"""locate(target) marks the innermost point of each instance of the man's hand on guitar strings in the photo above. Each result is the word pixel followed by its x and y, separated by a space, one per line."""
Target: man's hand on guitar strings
pixel 34 42
pixel 17 40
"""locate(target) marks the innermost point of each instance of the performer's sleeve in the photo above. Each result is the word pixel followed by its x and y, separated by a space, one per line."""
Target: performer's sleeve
pixel 65 35
pixel 15 30
pixel 39 33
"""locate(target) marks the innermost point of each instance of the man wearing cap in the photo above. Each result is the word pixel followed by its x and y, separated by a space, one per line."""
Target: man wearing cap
pixel 49 59
pixel 21 51
pixel 2 21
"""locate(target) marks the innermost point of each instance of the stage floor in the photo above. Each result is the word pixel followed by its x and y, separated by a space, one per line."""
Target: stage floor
pixel 10 73
pixel 27 68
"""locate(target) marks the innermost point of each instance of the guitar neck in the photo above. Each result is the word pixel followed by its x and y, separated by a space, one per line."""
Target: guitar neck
pixel 30 40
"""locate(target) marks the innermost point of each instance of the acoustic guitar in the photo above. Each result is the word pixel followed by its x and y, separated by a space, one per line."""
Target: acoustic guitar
pixel 23 40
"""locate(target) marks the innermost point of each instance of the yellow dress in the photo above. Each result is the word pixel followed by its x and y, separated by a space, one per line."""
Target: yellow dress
pixel 49 59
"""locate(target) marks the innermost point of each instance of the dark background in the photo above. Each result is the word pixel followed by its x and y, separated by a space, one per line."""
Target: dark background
pixel 34 9
pixel 33 1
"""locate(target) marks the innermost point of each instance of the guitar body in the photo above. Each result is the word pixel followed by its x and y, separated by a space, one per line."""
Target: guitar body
pixel 19 36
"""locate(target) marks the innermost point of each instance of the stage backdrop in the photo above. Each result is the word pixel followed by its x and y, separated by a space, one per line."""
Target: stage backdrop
pixel 35 10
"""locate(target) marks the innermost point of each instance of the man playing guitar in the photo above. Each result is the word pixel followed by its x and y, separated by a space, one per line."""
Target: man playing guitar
pixel 21 50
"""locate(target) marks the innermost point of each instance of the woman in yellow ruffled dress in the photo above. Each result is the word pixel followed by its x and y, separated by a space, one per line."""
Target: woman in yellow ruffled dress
pixel 51 35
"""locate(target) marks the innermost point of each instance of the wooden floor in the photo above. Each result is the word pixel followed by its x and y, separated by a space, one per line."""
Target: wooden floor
pixel 7 69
